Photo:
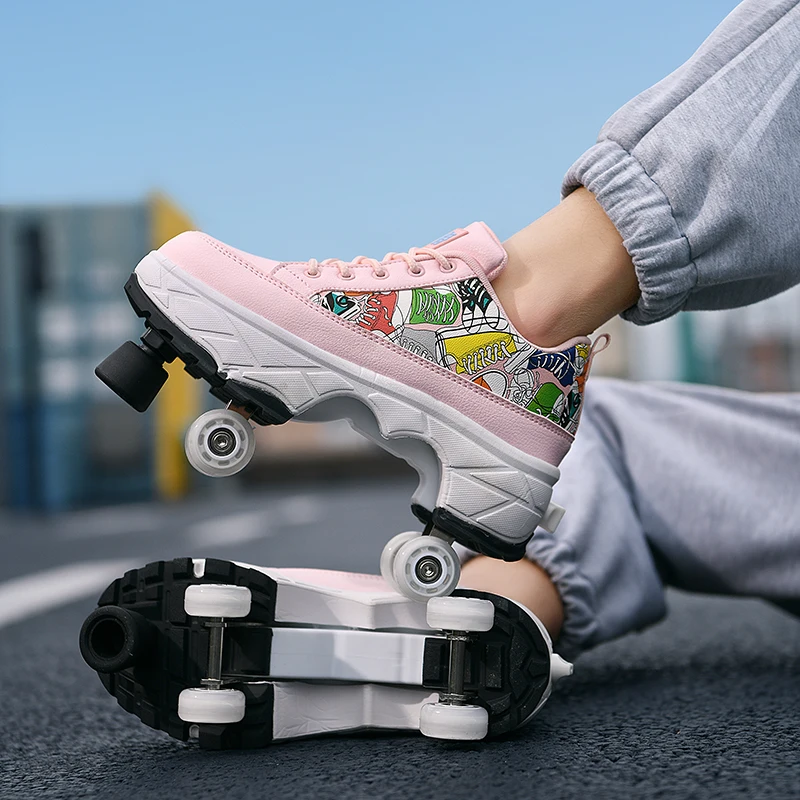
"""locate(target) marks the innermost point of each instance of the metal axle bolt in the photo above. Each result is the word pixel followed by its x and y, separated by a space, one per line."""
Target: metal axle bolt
pixel 457 662
pixel 428 569
pixel 221 442
pixel 216 631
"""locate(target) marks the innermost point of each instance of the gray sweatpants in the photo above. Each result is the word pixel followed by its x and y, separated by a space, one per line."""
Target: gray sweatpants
pixel 693 486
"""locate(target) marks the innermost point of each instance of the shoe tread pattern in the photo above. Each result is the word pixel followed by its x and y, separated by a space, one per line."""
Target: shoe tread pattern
pixel 507 668
pixel 180 655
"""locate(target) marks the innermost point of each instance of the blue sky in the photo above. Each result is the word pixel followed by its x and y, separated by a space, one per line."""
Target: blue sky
pixel 301 129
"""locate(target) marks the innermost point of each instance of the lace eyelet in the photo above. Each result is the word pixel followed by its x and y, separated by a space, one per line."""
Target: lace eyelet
pixel 416 272
pixel 380 275
pixel 348 277
pixel 449 268
pixel 313 273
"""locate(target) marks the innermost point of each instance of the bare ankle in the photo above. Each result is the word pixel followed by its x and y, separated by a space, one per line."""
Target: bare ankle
pixel 567 274
pixel 522 581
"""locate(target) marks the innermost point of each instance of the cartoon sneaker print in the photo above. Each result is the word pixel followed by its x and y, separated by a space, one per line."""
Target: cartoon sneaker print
pixel 414 350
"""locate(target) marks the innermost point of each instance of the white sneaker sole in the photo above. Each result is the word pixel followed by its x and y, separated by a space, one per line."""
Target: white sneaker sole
pixel 307 659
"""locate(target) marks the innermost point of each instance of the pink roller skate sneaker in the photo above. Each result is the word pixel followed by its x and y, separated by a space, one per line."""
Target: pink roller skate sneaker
pixel 414 350
pixel 238 656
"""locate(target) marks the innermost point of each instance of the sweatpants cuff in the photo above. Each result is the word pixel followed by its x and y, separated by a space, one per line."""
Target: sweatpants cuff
pixel 558 560
pixel 642 213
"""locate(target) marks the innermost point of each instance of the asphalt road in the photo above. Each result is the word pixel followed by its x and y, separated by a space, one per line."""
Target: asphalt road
pixel 705 704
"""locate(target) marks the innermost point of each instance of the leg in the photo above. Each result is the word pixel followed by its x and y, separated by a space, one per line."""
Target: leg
pixel 522 581
pixel 568 273
pixel 714 480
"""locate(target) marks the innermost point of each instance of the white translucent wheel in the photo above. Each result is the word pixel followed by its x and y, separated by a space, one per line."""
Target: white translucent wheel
pixel 460 614
pixel 443 721
pixel 425 567
pixel 388 554
pixel 216 600
pixel 220 443
pixel 211 706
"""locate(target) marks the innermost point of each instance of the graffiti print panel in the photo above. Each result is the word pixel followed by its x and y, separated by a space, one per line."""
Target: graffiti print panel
pixel 370 310
pixel 474 352
pixel 433 307
pixel 478 308
pixel 461 328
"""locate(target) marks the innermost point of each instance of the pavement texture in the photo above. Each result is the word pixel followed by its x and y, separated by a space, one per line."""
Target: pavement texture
pixel 705 704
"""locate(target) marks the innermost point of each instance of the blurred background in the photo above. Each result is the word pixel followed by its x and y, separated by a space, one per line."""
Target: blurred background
pixel 317 129
pixel 294 130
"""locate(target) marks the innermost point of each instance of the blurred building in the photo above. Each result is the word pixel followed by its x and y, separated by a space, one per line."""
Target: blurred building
pixel 65 440
pixel 756 348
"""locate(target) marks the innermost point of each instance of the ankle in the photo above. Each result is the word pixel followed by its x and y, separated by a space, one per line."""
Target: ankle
pixel 522 581
pixel 567 274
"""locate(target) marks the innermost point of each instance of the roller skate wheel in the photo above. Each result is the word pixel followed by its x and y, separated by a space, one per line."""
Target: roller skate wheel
pixel 211 706
pixel 425 567
pixel 445 721
pixel 220 443
pixel 388 555
pixel 466 614
pixel 216 600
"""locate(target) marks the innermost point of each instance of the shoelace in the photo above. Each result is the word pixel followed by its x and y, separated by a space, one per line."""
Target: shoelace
pixel 378 267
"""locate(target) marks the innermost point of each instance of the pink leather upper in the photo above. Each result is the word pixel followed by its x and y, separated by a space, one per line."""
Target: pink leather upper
pixel 280 292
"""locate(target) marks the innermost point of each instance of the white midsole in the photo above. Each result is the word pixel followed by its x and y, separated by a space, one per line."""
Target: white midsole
pixel 482 480
pixel 347 655
pixel 306 709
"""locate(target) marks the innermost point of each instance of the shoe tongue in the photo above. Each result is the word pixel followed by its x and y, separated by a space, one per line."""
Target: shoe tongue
pixel 476 240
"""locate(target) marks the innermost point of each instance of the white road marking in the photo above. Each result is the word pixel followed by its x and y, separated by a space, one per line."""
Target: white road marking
pixel 247 526
pixel 300 509
pixel 230 529
pixel 115 521
pixel 32 594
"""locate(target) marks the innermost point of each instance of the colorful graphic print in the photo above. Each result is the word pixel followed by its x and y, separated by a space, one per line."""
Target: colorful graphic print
pixel 461 328
pixel 473 352
pixel 429 307
pixel 370 310
pixel 477 306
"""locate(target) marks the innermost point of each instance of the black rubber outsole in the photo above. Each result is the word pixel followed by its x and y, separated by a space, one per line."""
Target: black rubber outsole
pixel 470 536
pixel 508 668
pixel 266 409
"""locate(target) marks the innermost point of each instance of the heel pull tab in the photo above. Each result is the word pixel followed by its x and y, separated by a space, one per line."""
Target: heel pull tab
pixel 600 344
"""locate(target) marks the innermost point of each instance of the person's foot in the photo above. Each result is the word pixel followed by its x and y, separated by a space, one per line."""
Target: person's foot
pixel 415 350
pixel 240 656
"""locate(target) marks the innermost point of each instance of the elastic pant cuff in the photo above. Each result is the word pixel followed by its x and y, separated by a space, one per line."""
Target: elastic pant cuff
pixel 642 213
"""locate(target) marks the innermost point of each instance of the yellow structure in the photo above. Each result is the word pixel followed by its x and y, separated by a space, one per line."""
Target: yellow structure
pixel 178 402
